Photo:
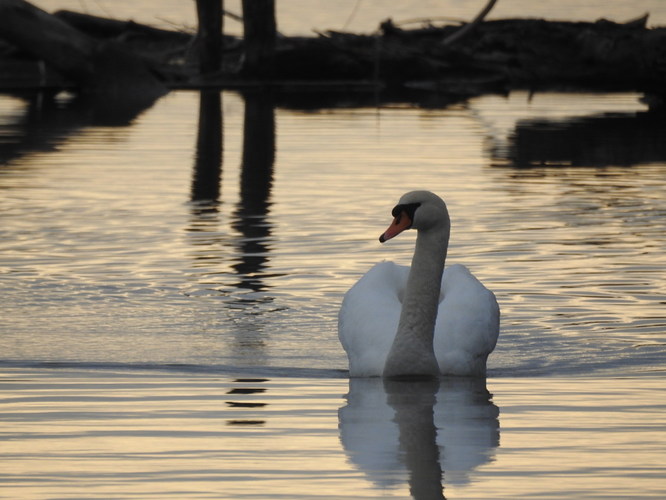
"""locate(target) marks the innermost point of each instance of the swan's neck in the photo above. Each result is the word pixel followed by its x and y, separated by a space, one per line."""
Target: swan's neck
pixel 412 351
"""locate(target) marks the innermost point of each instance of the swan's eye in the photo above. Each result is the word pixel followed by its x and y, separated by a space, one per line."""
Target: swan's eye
pixel 408 208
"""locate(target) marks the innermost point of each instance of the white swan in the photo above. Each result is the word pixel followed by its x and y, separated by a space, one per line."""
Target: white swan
pixel 421 321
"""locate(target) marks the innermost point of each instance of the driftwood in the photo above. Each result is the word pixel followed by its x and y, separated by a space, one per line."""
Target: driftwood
pixel 96 53
pixel 519 52
pixel 101 67
pixel 466 29
pixel 45 37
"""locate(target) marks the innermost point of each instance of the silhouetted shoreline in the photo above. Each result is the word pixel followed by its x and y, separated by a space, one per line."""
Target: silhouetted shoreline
pixel 495 57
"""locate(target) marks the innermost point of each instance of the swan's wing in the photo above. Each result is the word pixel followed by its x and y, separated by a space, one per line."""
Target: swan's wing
pixel 467 323
pixel 369 316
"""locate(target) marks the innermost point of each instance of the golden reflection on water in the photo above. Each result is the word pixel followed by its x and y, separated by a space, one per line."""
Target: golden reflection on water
pixel 79 434
pixel 112 230
pixel 578 438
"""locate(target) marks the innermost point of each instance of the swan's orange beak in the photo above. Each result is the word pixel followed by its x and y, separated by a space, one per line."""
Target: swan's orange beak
pixel 401 222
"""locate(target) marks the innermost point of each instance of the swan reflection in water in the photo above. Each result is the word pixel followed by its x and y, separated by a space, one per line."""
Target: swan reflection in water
pixel 427 433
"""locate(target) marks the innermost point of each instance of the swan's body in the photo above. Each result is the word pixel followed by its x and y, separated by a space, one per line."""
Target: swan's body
pixel 423 320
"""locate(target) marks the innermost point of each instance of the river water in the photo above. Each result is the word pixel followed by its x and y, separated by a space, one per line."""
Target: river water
pixel 113 253
pixel 171 284
pixel 169 310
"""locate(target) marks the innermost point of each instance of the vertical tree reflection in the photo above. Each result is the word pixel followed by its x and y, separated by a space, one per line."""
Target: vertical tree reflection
pixel 208 157
pixel 229 262
pixel 250 217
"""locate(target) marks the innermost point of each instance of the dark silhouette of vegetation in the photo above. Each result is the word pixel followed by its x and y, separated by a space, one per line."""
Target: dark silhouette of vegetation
pixel 134 61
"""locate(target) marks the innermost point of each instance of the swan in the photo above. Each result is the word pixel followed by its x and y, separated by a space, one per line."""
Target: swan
pixel 422 321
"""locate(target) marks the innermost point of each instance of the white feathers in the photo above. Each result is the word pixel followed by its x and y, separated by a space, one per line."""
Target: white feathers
pixel 466 329
pixel 462 334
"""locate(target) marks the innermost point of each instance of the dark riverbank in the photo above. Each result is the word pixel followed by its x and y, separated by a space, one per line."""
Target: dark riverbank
pixel 495 56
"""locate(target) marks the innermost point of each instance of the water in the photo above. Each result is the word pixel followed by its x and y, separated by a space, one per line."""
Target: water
pixel 157 344
pixel 78 434
pixel 109 256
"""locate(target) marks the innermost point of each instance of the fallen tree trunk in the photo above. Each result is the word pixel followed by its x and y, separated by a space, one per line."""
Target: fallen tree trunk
pixel 102 67
pixel 43 36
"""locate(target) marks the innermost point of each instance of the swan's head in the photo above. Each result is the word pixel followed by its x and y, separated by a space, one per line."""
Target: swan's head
pixel 421 210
